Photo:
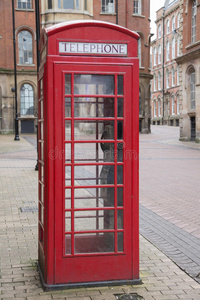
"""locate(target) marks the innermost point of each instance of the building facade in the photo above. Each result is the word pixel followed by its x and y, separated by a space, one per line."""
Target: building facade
pixel 165 99
pixel 189 65
pixel 132 14
pixel 26 62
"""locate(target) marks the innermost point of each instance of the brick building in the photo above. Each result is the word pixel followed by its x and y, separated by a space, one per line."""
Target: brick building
pixel 165 100
pixel 128 13
pixel 189 65
pixel 26 66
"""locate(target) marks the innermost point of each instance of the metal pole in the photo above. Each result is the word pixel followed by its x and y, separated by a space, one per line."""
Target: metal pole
pixel 163 66
pixel 15 75
pixel 37 23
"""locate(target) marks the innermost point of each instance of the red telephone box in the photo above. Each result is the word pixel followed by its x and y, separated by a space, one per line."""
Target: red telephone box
pixel 88 128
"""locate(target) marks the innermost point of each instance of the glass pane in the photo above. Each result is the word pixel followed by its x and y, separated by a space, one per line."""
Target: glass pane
pixel 68 244
pixel 120 152
pixel 94 220
pixel 120 112
pixel 94 197
pixel 67 198
pixel 119 174
pixel 120 88
pixel 67 221
pixel 120 201
pixel 67 175
pixel 93 107
pixel 120 222
pixel 94 242
pixel 67 152
pixel 120 130
pixel 93 84
pixel 94 152
pixel 67 84
pixel 68 130
pixel 94 130
pixel 94 175
pixel 67 107
pixel 120 243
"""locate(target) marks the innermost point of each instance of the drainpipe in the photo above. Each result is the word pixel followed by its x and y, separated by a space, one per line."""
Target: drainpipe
pixel 117 21
pixel 163 66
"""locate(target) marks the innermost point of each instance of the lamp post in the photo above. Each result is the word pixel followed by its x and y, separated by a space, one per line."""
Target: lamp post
pixel 15 75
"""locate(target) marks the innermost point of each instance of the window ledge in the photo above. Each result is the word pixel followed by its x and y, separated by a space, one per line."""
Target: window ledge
pixel 26 65
pixel 138 15
pixel 108 14
pixel 25 9
pixel 26 117
pixel 192 45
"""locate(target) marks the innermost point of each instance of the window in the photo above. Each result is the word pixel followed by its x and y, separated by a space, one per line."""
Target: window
pixel 168 26
pixel 167 78
pixel 49 4
pixel 139 51
pixel 177 75
pixel 173 76
pixel 173 48
pixel 167 54
pixel 85 4
pixel 159 81
pixel 137 7
pixel 69 4
pixel 154 56
pixel 173 105
pixel 159 54
pixel 154 82
pixel 192 90
pixel 178 20
pixel 178 45
pixel 159 108
pixel 178 105
pixel 26 100
pixel 194 12
pixel 24 4
pixel 140 102
pixel 25 47
pixel 154 106
pixel 173 23
pixel 107 6
pixel 159 31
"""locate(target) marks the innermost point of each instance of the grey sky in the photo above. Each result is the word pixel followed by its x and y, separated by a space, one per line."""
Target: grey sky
pixel 155 5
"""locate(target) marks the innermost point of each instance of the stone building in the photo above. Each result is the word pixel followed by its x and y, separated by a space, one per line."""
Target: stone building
pixel 26 61
pixel 189 65
pixel 131 14
pixel 165 99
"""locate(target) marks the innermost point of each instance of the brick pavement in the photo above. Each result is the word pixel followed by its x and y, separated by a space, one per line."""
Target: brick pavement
pixel 19 278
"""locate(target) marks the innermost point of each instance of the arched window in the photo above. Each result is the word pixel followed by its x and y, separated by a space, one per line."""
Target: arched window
pixel 159 81
pixel 139 51
pixel 178 45
pixel 167 78
pixel 159 31
pixel 173 47
pixel 154 82
pixel 159 107
pixel 159 54
pixel 140 110
pixel 25 45
pixel 26 100
pixel 154 56
pixel 193 19
pixel 154 106
pixel 167 53
pixel 178 105
pixel 178 20
pixel 192 89
pixel 168 29
pixel 137 7
pixel 24 4
pixel 173 23
pixel 173 105
pixel 173 76
pixel 107 6
pixel 69 4
pixel 177 71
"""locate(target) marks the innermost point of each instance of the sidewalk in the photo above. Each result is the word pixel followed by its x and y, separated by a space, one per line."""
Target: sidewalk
pixel 19 277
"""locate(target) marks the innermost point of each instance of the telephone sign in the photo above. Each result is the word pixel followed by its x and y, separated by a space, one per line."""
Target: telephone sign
pixel 88 155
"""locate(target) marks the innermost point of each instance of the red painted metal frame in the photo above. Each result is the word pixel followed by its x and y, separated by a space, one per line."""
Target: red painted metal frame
pixel 56 268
